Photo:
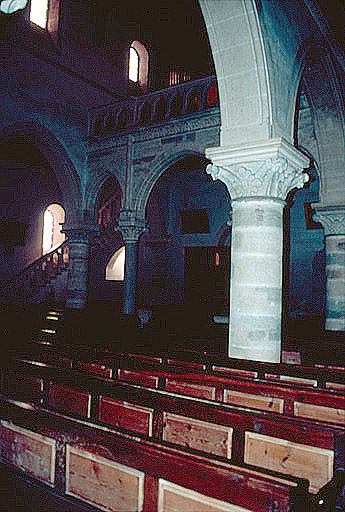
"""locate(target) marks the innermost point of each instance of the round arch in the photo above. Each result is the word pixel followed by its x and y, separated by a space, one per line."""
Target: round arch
pixel 320 86
pixel 94 188
pixel 159 169
pixel 237 45
pixel 55 153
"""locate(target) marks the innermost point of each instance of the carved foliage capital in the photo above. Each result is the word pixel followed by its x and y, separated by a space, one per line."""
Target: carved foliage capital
pixel 332 220
pixel 271 178
pixel 131 225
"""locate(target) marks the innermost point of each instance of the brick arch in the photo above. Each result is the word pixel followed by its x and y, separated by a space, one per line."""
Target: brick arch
pixel 56 155
pixel 165 163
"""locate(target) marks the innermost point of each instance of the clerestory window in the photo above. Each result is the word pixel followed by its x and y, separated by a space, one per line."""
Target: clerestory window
pixel 39 12
pixel 45 15
pixel 138 66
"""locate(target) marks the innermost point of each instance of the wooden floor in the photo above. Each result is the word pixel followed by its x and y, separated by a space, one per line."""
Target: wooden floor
pixel 20 494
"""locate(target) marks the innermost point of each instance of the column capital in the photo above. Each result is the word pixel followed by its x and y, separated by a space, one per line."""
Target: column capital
pixel 80 233
pixel 131 225
pixel 268 169
pixel 332 218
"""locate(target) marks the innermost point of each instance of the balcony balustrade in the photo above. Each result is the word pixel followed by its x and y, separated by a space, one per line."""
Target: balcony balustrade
pixel 158 107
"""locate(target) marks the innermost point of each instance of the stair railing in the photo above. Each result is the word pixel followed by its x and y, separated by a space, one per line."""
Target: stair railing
pixel 24 286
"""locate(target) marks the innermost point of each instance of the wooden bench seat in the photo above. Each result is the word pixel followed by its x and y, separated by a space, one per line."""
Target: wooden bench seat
pixel 320 376
pixel 317 404
pixel 294 446
pixel 116 472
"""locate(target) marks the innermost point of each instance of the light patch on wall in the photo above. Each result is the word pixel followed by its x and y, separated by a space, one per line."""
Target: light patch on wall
pixel 115 270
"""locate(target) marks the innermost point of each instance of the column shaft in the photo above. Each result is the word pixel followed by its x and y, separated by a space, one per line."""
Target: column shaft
pixel 256 279
pixel 335 287
pixel 130 283
pixel 78 274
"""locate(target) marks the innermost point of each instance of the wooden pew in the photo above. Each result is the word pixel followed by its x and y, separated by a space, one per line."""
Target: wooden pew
pixel 119 473
pixel 298 447
pixel 296 401
pixel 321 376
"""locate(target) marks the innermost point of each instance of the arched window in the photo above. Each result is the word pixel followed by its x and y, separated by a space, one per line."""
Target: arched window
pixel 115 270
pixel 45 14
pixel 138 69
pixel 39 12
pixel 133 72
pixel 53 217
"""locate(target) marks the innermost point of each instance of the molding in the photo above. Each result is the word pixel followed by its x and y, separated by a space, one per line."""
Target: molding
pixel 171 127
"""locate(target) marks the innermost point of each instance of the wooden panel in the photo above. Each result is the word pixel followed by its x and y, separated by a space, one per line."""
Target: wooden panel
pixel 138 378
pixel 199 435
pixel 264 403
pixel 293 380
pixel 235 371
pixel 124 415
pixel 315 464
pixel 102 482
pixel 191 389
pixel 145 357
pixel 319 412
pixel 69 399
pixel 175 498
pixel 28 451
pixel 188 364
pixel 335 385
pixel 96 369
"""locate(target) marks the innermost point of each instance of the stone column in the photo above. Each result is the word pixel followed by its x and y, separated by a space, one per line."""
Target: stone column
pixel 131 228
pixel 332 219
pixel 258 178
pixel 78 265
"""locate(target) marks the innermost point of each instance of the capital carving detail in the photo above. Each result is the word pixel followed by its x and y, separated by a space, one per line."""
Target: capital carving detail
pixel 131 225
pixel 82 234
pixel 332 220
pixel 272 178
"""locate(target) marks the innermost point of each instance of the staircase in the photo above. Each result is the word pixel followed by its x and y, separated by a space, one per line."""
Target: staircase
pixel 45 280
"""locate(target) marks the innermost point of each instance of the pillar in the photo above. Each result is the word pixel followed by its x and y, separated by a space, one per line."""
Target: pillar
pixel 131 227
pixel 333 221
pixel 78 265
pixel 258 178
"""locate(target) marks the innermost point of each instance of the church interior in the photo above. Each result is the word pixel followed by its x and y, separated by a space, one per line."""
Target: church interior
pixel 172 255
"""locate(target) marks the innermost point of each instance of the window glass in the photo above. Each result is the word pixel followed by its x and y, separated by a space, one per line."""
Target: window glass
pixel 39 12
pixel 53 217
pixel 133 65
